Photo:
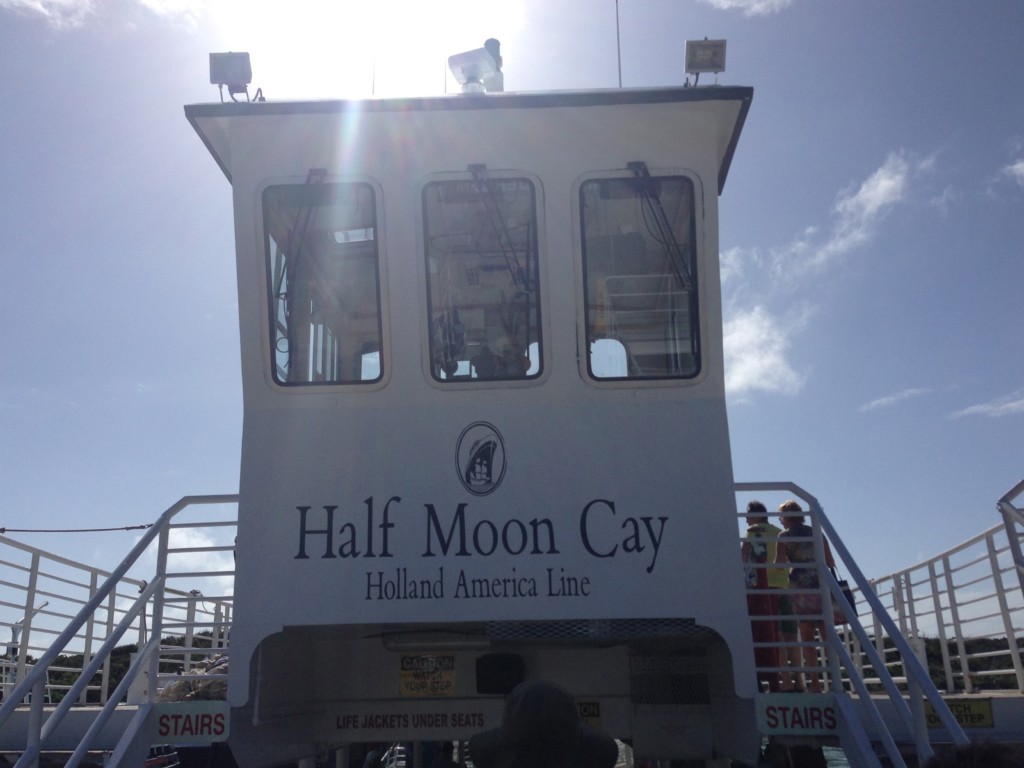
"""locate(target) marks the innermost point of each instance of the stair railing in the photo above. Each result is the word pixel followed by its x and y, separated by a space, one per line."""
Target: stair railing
pixel 35 678
pixel 916 673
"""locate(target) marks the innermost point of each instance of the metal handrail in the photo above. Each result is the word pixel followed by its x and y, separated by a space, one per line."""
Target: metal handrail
pixel 1013 521
pixel 62 709
pixel 965 594
pixel 915 671
pixel 49 582
pixel 35 678
pixel 880 624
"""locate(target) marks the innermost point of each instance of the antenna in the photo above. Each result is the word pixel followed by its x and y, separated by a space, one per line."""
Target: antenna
pixel 618 42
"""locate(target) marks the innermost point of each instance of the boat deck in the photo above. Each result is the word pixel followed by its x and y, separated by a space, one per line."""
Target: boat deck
pixel 957 614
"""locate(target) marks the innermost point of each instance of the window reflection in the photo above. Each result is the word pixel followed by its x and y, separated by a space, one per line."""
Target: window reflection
pixel 640 278
pixel 482 279
pixel 322 259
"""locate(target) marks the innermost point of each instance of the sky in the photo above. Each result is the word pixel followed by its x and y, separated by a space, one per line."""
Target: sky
pixel 871 231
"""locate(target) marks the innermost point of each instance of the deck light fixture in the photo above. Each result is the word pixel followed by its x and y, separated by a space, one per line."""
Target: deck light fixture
pixel 479 70
pixel 705 56
pixel 233 70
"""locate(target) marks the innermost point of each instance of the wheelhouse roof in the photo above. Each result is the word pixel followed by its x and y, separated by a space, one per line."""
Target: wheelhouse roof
pixel 211 121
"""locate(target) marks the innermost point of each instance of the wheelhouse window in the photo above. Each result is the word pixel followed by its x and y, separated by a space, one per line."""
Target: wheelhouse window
pixel 639 263
pixel 324 277
pixel 482 279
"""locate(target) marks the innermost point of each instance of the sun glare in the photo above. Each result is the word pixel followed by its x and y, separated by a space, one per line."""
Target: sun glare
pixel 309 49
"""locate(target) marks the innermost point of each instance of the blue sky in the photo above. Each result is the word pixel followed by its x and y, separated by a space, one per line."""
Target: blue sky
pixel 871 232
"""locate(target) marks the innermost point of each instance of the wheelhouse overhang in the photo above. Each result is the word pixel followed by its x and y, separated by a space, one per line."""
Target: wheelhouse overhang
pixel 729 104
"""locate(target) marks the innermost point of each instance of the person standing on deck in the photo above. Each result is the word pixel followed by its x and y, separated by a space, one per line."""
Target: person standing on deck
pixel 796 547
pixel 760 549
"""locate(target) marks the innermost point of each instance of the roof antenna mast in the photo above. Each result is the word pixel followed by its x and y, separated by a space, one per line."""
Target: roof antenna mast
pixel 618 42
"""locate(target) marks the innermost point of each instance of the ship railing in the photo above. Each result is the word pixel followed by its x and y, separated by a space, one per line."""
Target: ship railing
pixel 1013 522
pixel 39 594
pixel 830 657
pixel 964 606
pixel 175 619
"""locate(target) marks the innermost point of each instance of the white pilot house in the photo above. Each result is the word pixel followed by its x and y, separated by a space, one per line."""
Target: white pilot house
pixel 485 432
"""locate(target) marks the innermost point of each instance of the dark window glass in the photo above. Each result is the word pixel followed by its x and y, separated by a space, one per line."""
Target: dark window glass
pixel 482 279
pixel 325 305
pixel 640 282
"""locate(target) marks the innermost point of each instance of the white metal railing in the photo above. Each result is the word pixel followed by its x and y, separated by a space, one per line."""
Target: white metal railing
pixel 1013 521
pixel 967 605
pixel 65 618
pixel 39 594
pixel 73 616
pixel 827 652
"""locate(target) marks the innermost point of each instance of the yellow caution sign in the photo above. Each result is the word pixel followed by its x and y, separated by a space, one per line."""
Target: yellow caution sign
pixel 590 713
pixel 427 676
pixel 969 713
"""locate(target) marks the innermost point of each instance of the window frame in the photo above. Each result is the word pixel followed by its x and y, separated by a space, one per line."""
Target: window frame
pixel 700 282
pixel 543 335
pixel 269 332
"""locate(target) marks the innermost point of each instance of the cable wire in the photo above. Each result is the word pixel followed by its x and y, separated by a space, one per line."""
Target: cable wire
pixel 75 530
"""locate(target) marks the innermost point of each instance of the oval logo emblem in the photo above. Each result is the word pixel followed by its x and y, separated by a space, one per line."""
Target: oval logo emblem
pixel 480 458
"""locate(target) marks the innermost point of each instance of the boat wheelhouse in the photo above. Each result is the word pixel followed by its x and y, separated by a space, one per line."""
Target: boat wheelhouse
pixel 485 434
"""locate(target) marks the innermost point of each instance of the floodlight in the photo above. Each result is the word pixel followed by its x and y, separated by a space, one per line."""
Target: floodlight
pixel 705 56
pixel 478 70
pixel 232 70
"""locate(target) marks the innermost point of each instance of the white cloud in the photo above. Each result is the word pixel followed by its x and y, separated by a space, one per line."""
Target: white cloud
pixel 58 13
pixel 1016 171
pixel 188 11
pixel 751 7
pixel 890 400
pixel 857 213
pixel 733 263
pixel 1010 405
pixel 944 200
pixel 69 14
pixel 855 218
pixel 195 558
pixel 756 345
pixel 174 7
pixel 881 189
pixel 757 342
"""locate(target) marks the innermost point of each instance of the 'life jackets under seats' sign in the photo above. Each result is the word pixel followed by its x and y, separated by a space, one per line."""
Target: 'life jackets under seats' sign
pixel 192 722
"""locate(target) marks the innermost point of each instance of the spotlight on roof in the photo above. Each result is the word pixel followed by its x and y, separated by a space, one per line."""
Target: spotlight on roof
pixel 705 56
pixel 479 70
pixel 232 70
